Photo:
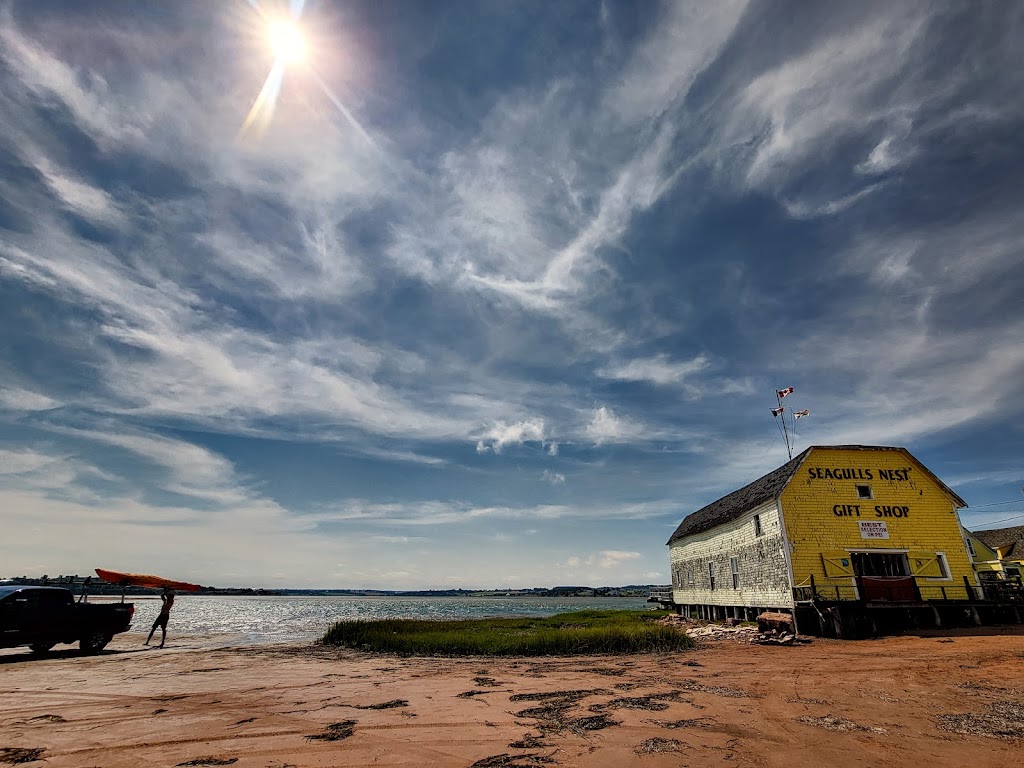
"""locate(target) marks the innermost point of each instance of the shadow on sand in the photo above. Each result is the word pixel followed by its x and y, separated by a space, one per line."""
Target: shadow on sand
pixel 64 653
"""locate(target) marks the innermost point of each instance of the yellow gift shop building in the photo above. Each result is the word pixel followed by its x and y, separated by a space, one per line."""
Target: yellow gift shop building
pixel 853 540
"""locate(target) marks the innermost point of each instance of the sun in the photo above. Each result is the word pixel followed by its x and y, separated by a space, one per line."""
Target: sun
pixel 286 41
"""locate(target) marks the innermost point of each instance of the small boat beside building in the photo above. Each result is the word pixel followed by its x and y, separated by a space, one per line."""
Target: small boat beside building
pixel 851 540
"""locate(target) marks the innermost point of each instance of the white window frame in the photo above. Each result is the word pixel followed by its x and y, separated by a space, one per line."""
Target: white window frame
pixel 944 566
pixel 689 575
pixel 970 547
pixel 734 566
pixel 711 574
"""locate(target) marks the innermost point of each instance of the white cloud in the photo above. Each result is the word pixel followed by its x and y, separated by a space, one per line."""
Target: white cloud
pixel 410 457
pixel 246 300
pixel 812 98
pixel 137 536
pixel 41 470
pixel 501 435
pixel 802 209
pixel 685 40
pixel 555 478
pixel 605 559
pixel 25 400
pixel 81 198
pixel 439 512
pixel 608 427
pixel 24 461
pixel 658 370
pixel 612 558
pixel 191 470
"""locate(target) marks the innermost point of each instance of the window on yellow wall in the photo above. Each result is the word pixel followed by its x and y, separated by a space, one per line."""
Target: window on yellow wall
pixel 864 492
pixel 943 565
pixel 970 547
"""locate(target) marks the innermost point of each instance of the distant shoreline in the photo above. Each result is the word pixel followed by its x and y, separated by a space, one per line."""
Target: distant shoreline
pixel 75 584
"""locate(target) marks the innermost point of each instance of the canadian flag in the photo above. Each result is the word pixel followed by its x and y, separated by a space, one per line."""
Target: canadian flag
pixel 777 411
pixel 783 392
pixel 805 412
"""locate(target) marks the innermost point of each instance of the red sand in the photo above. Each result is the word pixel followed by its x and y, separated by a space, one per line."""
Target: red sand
pixel 743 705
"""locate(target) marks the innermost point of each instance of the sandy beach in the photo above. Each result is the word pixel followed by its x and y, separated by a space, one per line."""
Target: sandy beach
pixel 937 700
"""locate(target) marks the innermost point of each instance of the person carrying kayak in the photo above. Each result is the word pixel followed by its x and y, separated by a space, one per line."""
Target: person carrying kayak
pixel 167 601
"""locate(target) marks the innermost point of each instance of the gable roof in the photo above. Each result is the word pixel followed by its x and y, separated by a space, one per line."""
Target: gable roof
pixel 770 487
pixel 998 538
pixel 736 503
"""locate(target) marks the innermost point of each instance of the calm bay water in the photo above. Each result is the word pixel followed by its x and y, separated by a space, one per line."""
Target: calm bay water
pixel 229 620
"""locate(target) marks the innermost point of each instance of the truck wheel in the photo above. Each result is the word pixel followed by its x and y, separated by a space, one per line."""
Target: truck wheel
pixel 40 648
pixel 94 642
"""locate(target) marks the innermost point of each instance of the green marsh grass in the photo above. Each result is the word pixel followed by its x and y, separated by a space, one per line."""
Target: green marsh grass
pixel 567 634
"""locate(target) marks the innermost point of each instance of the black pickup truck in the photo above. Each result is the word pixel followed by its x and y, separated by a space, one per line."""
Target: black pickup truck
pixel 41 617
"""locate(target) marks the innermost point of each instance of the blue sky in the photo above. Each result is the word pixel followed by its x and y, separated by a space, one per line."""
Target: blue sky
pixel 499 292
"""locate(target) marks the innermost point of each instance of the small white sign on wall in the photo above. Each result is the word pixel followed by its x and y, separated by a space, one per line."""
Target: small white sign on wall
pixel 873 529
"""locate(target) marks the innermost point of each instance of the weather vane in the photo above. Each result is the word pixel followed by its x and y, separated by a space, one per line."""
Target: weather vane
pixel 780 416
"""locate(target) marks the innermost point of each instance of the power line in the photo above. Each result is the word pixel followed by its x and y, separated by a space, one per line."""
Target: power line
pixel 1004 520
pixel 995 504
pixel 760 461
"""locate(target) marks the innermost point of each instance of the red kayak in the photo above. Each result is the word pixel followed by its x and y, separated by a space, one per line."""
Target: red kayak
pixel 145 580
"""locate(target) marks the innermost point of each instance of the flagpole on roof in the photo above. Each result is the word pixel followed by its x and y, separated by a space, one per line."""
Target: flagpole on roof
pixel 781 412
pixel 782 415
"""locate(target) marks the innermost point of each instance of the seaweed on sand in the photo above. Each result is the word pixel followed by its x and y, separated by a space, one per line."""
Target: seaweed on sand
pixel 657 744
pixel 471 694
pixel 383 705
pixel 554 715
pixel 529 741
pixel 569 696
pixel 838 723
pixel 717 690
pixel 335 731
pixel 513 761
pixel 655 702
pixel 18 755
pixel 1001 720
pixel 686 722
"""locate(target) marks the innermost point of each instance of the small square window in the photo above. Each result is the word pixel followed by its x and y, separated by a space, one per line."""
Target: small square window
pixel 758 530
pixel 864 492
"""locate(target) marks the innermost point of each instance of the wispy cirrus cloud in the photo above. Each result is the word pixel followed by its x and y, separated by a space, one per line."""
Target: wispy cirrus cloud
pixel 15 399
pixel 658 370
pixel 672 206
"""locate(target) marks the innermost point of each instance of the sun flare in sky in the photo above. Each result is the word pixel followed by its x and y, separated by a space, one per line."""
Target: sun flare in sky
pixel 281 32
pixel 286 41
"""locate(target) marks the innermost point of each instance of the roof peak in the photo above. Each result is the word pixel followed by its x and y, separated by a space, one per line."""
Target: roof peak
pixel 770 486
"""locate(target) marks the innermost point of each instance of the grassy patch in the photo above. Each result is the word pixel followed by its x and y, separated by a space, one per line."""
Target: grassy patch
pixel 567 634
